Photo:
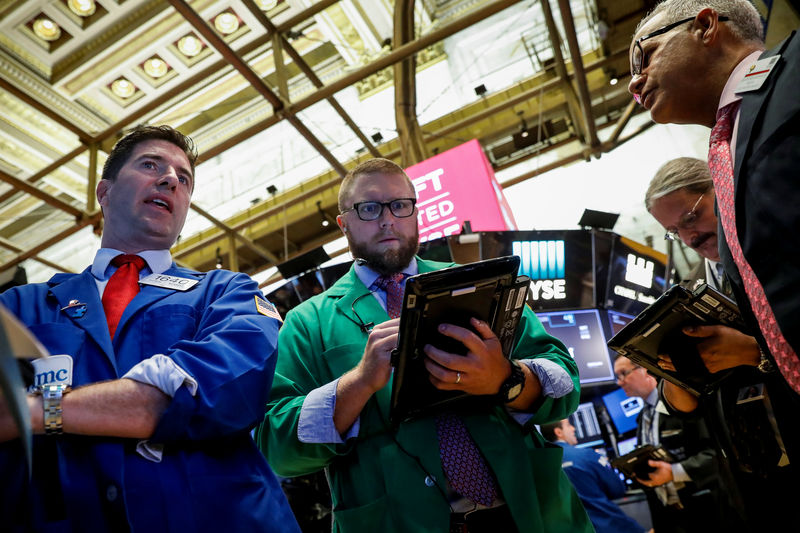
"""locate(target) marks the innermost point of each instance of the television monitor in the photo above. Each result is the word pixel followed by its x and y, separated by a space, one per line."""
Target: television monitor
pixel 582 333
pixel 623 410
pixel 559 263
pixel 587 427
pixel 617 321
pixel 625 446
pixel 636 276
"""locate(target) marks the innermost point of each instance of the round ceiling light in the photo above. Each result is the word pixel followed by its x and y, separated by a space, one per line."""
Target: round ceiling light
pixel 226 23
pixel 190 45
pixel 155 67
pixel 266 5
pixel 46 29
pixel 82 8
pixel 123 88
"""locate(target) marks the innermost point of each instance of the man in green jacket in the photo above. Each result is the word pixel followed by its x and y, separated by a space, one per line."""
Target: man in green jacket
pixel 330 398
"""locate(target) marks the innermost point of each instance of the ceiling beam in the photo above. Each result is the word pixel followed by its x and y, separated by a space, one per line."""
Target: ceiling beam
pixel 45 171
pixel 580 73
pixel 43 196
pixel 5 243
pixel 55 239
pixel 310 74
pixel 255 80
pixel 260 250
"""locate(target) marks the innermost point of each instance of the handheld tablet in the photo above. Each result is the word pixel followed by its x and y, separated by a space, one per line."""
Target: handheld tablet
pixel 488 290
pixel 634 463
pixel 657 330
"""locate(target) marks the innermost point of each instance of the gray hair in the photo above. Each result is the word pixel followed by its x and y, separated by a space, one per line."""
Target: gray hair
pixel 682 173
pixel 743 18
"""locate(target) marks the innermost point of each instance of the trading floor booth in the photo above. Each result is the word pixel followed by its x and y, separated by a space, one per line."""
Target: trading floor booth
pixel 584 286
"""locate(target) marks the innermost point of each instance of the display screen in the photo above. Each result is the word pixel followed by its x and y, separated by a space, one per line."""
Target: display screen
pixel 617 321
pixel 626 446
pixel 559 264
pixel 635 276
pixel 623 410
pixel 587 427
pixel 583 336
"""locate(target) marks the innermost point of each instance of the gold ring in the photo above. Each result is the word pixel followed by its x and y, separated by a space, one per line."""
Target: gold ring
pixel 458 377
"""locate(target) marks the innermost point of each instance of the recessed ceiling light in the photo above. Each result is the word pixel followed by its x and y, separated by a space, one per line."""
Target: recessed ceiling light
pixel 82 8
pixel 190 45
pixel 155 67
pixel 46 29
pixel 226 23
pixel 123 88
pixel 266 5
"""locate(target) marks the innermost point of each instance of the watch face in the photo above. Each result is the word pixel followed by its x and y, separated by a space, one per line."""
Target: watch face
pixel 514 391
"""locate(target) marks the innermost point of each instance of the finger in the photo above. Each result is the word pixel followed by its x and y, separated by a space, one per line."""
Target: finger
pixel 442 377
pixel 699 331
pixel 665 363
pixel 482 328
pixel 445 359
pixel 467 337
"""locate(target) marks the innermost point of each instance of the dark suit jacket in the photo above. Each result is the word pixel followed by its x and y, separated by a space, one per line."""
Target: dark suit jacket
pixel 767 192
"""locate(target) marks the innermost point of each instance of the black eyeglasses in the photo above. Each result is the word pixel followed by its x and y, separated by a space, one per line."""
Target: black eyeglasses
pixel 687 221
pixel 399 207
pixel 622 376
pixel 637 58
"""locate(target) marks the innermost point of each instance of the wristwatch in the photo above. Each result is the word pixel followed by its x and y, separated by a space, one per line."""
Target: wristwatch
pixel 51 403
pixel 513 385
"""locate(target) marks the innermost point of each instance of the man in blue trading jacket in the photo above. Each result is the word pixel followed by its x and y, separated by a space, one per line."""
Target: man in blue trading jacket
pixel 594 481
pixel 153 434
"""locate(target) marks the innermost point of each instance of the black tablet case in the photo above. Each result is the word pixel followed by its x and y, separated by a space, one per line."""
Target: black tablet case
pixel 488 290
pixel 657 330
pixel 634 463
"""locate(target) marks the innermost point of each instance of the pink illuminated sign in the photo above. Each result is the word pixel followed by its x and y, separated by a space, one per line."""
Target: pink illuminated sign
pixel 456 186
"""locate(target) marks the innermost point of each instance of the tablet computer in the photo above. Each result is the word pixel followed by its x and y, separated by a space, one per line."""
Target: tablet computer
pixel 657 330
pixel 634 463
pixel 488 290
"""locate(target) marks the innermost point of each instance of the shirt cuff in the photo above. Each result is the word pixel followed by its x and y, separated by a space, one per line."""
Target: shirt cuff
pixel 315 424
pixel 163 373
pixel 555 381
pixel 679 473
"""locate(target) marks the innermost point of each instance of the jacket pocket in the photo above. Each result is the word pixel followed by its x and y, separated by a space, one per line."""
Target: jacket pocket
pixel 343 357
pixel 165 325
pixel 369 517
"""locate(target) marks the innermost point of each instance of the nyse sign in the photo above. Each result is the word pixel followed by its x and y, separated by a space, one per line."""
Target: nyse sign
pixel 638 271
pixel 435 213
pixel 544 263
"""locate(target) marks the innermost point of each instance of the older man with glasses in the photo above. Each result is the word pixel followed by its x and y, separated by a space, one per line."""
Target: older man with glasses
pixel 684 496
pixel 703 62
pixel 756 432
pixel 482 469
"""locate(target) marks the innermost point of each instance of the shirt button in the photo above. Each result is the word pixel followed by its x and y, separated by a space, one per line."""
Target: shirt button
pixel 111 493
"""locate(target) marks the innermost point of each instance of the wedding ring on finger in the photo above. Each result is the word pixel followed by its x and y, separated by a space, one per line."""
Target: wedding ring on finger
pixel 458 378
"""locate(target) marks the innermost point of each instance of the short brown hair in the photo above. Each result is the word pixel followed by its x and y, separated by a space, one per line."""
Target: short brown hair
pixel 376 165
pixel 124 147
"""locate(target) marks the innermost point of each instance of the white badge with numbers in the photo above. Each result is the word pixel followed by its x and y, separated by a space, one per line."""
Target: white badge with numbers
pixel 169 282
pixel 756 74
pixel 53 370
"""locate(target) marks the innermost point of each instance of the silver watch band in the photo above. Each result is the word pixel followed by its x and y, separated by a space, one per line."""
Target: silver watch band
pixel 51 403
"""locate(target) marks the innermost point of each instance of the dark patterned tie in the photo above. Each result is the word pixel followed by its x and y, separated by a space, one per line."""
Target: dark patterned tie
pixel 462 462
pixel 721 167
pixel 394 293
pixel 122 286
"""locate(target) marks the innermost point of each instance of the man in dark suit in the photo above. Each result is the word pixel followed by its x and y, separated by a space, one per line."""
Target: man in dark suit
pixel 682 496
pixel 703 62
pixel 756 434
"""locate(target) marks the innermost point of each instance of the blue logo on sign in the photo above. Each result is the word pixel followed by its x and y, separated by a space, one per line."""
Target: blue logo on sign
pixel 540 259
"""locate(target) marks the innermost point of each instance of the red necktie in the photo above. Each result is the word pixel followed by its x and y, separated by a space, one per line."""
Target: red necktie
pixel 122 286
pixel 721 167
pixel 462 462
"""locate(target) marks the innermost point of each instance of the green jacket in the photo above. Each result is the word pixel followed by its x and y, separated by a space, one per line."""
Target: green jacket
pixel 375 486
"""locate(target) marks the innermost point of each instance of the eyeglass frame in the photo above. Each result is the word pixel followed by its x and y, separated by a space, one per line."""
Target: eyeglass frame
pixel 625 373
pixel 383 206
pixel 684 222
pixel 637 44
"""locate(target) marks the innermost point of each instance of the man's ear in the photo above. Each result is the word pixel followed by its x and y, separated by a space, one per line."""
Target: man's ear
pixel 341 224
pixel 103 188
pixel 707 23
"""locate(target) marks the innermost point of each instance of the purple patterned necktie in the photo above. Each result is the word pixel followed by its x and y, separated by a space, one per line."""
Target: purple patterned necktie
pixel 721 167
pixel 462 462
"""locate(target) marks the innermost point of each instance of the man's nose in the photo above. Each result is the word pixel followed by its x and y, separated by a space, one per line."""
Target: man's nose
pixel 169 178
pixel 635 86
